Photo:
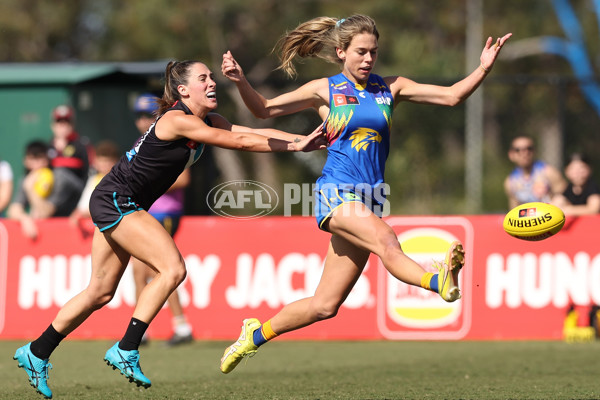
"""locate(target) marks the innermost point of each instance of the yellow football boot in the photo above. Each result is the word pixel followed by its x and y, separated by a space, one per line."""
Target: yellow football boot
pixel 448 272
pixel 243 347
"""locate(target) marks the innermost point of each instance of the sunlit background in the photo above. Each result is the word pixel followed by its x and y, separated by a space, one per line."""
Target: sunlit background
pixel 98 54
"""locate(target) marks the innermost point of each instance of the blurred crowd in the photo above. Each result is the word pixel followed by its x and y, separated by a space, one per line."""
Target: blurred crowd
pixel 60 174
pixel 534 180
pixel 55 174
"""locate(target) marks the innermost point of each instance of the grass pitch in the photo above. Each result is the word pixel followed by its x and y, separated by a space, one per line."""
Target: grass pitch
pixel 323 370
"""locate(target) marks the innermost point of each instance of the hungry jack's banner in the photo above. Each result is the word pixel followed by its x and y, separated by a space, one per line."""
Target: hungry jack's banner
pixel 512 289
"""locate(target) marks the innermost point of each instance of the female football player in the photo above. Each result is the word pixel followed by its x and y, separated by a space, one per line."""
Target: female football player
pixel 118 207
pixel 356 107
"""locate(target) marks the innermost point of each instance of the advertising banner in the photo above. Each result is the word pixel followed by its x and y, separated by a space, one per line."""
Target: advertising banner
pixel 512 289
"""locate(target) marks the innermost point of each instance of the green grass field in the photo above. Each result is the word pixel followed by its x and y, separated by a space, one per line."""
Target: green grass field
pixel 324 370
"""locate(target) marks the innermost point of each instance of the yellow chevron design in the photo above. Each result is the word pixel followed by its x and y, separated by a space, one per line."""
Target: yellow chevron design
pixel 336 124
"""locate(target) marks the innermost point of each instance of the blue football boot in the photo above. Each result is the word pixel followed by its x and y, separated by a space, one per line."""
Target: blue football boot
pixel 36 368
pixel 128 362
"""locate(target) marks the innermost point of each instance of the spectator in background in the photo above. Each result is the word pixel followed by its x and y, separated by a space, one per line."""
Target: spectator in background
pixel 68 151
pixel 35 185
pixel 168 210
pixel 531 180
pixel 582 195
pixel 6 185
pixel 43 192
pixel 107 153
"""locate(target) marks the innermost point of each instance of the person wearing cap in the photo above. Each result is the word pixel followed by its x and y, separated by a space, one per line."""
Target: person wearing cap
pixel 68 150
pixel 168 210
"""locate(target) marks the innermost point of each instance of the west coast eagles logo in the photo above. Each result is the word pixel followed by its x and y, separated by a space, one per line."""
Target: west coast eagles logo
pixel 363 137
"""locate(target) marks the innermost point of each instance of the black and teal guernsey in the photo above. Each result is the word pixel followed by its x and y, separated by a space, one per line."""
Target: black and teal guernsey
pixel 149 169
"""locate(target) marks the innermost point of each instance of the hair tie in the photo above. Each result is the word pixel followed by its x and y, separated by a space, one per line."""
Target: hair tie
pixel 339 22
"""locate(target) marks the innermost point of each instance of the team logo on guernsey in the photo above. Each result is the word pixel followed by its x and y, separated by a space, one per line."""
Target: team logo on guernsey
pixel 196 150
pixel 363 137
pixel 136 148
pixel 343 100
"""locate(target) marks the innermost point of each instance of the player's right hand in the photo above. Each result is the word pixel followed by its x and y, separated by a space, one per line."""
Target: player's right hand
pixel 230 68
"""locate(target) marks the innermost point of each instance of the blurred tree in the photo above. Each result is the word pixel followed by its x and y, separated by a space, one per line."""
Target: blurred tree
pixel 35 30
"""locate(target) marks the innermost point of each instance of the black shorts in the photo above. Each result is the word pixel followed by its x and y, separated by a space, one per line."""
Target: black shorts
pixel 107 209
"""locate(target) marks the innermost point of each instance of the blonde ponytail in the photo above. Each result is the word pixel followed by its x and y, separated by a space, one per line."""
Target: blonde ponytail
pixel 320 37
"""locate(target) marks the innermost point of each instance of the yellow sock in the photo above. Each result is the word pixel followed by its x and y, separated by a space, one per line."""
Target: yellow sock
pixel 426 280
pixel 264 334
pixel 267 331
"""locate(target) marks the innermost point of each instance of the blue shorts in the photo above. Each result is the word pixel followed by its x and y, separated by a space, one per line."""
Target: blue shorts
pixel 107 209
pixel 330 197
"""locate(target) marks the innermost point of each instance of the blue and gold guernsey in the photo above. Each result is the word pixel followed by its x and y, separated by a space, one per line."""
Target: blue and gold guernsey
pixel 358 133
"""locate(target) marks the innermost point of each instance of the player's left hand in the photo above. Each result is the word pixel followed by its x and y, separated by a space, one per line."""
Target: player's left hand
pixel 317 140
pixel 491 51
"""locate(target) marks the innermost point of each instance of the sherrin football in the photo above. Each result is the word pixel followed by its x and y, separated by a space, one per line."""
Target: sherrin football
pixel 534 221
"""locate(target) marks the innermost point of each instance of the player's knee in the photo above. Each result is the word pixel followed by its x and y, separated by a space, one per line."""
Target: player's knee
pixel 181 273
pixel 99 300
pixel 325 311
pixel 389 254
pixel 389 248
pixel 177 273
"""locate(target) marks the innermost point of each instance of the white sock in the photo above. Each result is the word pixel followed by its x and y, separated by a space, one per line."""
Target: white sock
pixel 181 327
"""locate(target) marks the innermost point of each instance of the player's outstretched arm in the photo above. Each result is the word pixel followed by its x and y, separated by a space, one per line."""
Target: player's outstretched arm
pixel 405 89
pixel 314 94
pixel 490 52
pixel 255 102
pixel 316 140
pixel 177 125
